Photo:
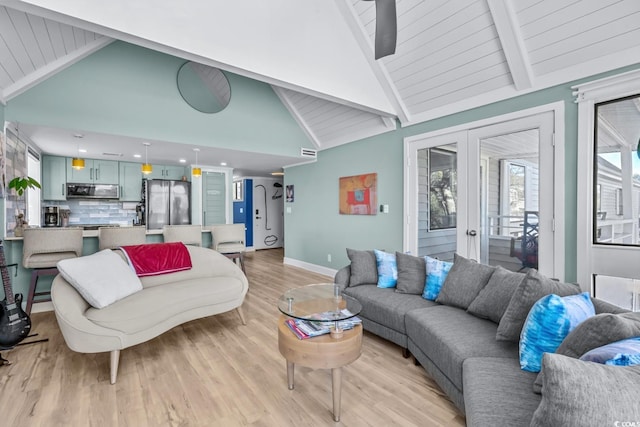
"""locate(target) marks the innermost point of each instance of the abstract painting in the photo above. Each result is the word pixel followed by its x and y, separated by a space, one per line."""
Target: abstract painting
pixel 358 194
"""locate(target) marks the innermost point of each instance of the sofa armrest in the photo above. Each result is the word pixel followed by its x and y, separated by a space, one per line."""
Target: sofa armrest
pixel 342 277
pixel 80 334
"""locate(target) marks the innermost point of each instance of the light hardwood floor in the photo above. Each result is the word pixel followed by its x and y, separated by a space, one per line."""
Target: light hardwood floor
pixel 216 372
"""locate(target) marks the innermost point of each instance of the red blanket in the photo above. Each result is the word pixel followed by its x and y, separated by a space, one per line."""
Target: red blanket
pixel 157 258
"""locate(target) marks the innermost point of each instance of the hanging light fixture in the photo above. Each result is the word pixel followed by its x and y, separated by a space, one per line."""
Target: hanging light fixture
pixel 146 167
pixel 77 162
pixel 196 170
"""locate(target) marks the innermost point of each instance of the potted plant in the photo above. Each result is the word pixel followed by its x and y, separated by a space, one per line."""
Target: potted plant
pixel 20 184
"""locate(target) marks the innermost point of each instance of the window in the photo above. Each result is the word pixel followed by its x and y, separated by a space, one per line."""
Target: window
pixel 616 172
pixel 442 188
pixel 516 185
pixel 620 291
pixel 33 195
pixel 618 201
pixel 237 191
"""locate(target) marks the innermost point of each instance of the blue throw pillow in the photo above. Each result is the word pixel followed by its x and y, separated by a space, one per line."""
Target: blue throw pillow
pixel 619 353
pixel 549 321
pixel 387 269
pixel 436 274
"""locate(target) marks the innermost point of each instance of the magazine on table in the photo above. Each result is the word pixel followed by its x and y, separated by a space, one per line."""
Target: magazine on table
pixel 309 328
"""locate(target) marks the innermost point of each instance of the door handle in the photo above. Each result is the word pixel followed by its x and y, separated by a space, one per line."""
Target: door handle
pixel 471 233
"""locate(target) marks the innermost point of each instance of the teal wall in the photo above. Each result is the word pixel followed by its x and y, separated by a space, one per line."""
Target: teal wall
pixel 128 90
pixel 314 228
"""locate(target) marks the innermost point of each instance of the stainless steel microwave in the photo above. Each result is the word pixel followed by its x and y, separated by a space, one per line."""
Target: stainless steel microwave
pixel 93 191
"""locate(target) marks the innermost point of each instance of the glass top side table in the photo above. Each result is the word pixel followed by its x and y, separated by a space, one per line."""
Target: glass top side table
pixel 321 303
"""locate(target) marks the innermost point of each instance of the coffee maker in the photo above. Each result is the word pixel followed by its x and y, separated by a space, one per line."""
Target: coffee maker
pixel 51 216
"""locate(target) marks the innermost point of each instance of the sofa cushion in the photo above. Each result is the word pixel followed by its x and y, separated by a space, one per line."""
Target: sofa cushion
pixel 493 299
pixel 596 331
pixel 464 281
pixel 364 270
pixel 387 269
pixel 385 306
pixel 143 310
pixel 619 353
pixel 577 393
pixel 550 320
pixel 448 336
pixel 412 274
pixel 497 392
pixel 101 278
pixel 436 275
pixel 600 330
pixel 533 287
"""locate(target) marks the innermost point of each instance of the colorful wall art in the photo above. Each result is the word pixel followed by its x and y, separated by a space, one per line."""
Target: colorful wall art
pixel 358 194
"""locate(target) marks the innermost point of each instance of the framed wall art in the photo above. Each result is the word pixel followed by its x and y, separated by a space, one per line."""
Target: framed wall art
pixel 359 194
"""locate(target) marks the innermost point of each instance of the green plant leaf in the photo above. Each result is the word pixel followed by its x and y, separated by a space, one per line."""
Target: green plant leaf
pixel 22 183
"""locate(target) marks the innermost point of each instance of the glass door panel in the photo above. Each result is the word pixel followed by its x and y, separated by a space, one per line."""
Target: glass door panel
pixel 509 200
pixel 437 201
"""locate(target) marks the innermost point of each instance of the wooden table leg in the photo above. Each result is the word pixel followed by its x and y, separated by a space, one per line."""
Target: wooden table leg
pixel 336 384
pixel 290 371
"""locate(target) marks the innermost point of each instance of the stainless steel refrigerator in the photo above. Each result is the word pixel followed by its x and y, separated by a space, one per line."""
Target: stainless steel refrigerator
pixel 167 203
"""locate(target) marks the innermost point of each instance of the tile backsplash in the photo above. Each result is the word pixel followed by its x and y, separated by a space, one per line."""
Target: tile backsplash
pixel 97 211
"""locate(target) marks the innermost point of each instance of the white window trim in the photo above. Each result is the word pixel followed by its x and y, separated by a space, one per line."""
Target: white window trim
pixel 587 95
pixel 557 108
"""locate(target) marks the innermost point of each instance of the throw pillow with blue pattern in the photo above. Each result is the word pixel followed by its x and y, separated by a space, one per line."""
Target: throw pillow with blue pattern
pixel 436 274
pixel 387 269
pixel 619 353
pixel 549 321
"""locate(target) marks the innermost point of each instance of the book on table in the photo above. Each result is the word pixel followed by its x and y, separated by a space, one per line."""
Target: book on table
pixel 303 328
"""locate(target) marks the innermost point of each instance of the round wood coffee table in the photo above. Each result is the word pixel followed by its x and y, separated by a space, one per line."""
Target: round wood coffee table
pixel 322 352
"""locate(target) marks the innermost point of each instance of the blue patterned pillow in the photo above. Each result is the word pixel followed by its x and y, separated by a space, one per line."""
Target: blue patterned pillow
pixel 387 269
pixel 549 321
pixel 619 353
pixel 436 274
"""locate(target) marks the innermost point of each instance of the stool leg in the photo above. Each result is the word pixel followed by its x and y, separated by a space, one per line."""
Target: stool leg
pixel 32 290
pixel 242 262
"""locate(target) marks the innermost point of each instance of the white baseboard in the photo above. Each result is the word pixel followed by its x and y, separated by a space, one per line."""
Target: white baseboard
pixel 41 307
pixel 311 267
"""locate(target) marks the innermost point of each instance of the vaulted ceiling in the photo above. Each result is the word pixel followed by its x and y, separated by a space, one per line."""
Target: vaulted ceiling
pixel 451 55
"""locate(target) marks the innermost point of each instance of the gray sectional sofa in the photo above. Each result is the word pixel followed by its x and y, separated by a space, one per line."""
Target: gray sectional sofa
pixel 474 358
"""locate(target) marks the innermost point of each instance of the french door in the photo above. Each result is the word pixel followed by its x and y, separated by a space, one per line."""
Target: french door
pixel 485 192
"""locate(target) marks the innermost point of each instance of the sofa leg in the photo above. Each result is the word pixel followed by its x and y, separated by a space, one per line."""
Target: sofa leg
pixel 406 353
pixel 115 360
pixel 241 314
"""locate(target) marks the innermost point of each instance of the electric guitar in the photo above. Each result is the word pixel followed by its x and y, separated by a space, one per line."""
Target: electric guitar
pixel 14 322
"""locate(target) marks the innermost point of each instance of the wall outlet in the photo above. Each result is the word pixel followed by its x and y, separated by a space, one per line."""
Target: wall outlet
pixel 329 257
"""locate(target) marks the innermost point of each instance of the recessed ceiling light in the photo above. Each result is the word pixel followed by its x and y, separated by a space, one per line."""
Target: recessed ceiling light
pixel 137 156
pixel 182 161
pixel 223 163
pixel 82 150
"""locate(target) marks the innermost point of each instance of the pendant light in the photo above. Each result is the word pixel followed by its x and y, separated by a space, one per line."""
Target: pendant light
pixel 146 167
pixel 196 170
pixel 78 163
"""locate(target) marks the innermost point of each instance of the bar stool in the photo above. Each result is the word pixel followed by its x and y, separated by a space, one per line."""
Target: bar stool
pixel 114 237
pixel 228 239
pixel 187 234
pixel 42 249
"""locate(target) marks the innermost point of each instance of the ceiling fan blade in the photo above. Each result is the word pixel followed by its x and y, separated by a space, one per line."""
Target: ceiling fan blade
pixel 386 28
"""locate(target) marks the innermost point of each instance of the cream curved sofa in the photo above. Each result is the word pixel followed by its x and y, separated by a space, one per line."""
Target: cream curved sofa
pixel 212 286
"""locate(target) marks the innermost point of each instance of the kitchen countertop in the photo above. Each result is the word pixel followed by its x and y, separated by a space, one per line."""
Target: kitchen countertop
pixel 94 233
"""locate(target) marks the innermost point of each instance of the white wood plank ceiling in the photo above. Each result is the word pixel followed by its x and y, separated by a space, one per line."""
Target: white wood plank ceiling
pixel 32 48
pixel 451 55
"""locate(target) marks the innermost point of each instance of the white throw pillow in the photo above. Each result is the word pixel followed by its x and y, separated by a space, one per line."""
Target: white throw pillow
pixel 102 278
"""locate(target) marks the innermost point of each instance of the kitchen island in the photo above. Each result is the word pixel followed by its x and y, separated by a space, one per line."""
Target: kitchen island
pixel 20 276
